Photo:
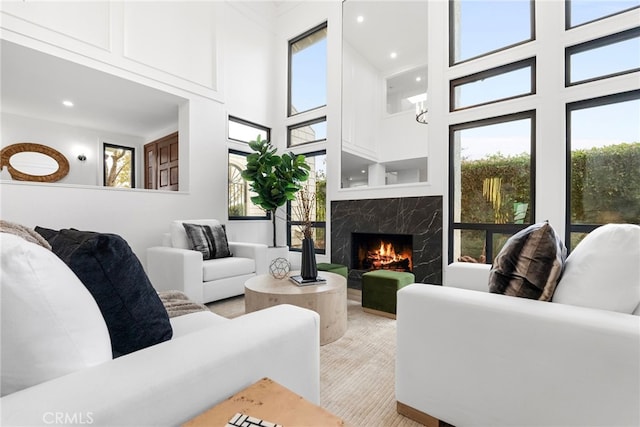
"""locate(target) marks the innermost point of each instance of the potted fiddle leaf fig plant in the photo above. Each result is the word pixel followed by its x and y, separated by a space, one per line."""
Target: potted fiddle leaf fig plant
pixel 275 179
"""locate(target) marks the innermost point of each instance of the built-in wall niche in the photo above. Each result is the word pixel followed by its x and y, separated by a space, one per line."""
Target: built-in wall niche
pixel 75 109
pixel 384 85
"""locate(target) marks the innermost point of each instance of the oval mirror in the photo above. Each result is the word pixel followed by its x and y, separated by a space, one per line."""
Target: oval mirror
pixel 33 163
pixel 27 161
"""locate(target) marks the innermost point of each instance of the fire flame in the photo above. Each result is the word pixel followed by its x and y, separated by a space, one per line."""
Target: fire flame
pixel 386 255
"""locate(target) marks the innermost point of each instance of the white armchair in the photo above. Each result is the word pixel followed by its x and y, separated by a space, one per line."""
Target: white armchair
pixel 174 266
pixel 469 357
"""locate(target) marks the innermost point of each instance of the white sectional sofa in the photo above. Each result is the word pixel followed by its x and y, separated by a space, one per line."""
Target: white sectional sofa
pixel 58 359
pixel 208 359
pixel 473 358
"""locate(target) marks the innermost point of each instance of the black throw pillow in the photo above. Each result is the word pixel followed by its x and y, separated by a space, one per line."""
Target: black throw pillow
pixel 113 274
pixel 210 240
pixel 529 264
pixel 47 233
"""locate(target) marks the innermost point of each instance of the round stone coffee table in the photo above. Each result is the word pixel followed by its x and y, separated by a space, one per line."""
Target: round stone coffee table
pixel 329 299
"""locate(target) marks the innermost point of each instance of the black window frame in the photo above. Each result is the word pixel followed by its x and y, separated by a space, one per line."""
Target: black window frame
pixel 490 229
pixel 235 119
pixel 570 107
pixel 266 216
pixel 567 15
pixel 106 145
pixel 492 72
pixel 303 124
pixel 594 44
pixel 294 40
pixel 314 224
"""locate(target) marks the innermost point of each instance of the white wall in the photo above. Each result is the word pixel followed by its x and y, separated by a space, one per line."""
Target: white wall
pixel 360 114
pixel 70 141
pixel 402 137
pixel 140 216
pixel 111 38
pixel 249 69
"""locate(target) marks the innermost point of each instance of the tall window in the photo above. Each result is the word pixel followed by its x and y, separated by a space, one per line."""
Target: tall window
pixel 308 94
pixel 316 188
pixel 491 183
pixel 308 71
pixel 240 205
pixel 603 163
pixel 119 166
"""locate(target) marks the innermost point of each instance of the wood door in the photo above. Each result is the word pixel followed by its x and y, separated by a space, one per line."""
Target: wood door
pixel 150 181
pixel 161 163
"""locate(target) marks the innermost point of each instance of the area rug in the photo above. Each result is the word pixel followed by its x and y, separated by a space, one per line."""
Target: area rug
pixel 357 372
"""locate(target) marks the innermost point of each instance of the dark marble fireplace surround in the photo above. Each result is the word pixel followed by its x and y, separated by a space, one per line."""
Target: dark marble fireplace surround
pixel 419 216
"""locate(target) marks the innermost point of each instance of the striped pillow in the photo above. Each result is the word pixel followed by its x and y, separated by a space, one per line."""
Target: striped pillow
pixel 530 263
pixel 210 240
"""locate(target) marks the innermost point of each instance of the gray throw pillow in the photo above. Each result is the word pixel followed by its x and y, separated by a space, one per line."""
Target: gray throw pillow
pixel 530 264
pixel 210 240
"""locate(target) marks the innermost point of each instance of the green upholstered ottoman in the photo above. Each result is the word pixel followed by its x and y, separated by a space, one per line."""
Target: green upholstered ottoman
pixel 379 288
pixel 334 268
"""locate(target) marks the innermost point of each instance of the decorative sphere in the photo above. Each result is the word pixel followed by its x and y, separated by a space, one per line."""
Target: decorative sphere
pixel 279 268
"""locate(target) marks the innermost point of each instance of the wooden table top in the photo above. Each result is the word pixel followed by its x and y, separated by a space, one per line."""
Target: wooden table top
pixel 271 402
pixel 267 284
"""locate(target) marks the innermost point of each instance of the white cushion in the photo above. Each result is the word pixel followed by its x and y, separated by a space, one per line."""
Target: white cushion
pixel 192 322
pixel 179 236
pixel 221 268
pixel 51 325
pixel 603 271
pixel 468 275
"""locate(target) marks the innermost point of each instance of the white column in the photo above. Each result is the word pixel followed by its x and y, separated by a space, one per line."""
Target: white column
pixel 376 174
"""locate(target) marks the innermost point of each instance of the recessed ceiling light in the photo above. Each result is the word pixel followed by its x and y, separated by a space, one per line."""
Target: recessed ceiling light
pixel 418 79
pixel 360 19
pixel 67 103
pixel 393 55
pixel 363 171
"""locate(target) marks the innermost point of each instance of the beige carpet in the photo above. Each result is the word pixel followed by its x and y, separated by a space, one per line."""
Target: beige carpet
pixel 357 372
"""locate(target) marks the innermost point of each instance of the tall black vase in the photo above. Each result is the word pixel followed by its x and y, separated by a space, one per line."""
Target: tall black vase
pixel 309 269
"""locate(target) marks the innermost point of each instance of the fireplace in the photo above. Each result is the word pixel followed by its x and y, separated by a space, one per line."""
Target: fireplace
pixel 379 251
pixel 418 217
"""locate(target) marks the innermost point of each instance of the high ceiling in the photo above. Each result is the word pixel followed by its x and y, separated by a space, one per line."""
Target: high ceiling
pixel 387 26
pixel 35 84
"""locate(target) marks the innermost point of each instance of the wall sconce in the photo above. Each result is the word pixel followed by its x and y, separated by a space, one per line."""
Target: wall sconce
pixel 82 157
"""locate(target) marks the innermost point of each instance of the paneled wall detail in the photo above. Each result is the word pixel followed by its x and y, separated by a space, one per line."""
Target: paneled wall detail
pixel 62 17
pixel 156 33
pixel 174 43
